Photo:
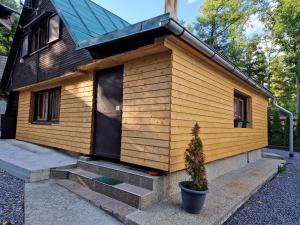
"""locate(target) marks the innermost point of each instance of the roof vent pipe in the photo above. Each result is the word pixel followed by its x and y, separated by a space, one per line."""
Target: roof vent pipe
pixel 171 7
pixel 291 146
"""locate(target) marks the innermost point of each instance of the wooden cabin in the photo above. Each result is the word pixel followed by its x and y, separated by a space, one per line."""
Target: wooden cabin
pixel 88 82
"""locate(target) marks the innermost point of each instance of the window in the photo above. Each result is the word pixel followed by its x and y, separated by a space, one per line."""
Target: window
pixel 43 35
pixel 34 40
pixel 46 32
pixel 242 110
pixel 24 50
pixel 46 106
pixel 54 28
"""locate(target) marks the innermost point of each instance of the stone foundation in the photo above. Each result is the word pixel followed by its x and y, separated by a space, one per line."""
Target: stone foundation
pixel 214 169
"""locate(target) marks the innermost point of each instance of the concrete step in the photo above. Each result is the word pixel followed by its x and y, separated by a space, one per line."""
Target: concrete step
pixel 132 195
pixel 128 175
pixel 112 206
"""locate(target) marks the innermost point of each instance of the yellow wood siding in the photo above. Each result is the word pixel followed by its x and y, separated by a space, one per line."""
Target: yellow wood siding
pixel 73 132
pixel 202 92
pixel 146 111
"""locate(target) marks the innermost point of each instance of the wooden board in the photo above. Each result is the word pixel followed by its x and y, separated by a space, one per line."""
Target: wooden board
pixel 73 132
pixel 146 111
pixel 202 92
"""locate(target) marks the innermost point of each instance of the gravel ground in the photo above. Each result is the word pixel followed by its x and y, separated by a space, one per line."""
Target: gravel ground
pixel 277 203
pixel 11 199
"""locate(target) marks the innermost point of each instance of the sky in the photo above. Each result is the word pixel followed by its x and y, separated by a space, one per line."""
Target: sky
pixel 138 10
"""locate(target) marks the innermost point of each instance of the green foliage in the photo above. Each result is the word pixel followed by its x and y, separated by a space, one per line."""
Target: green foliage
pixel 297 133
pixel 277 133
pixel 286 135
pixel 272 57
pixel 6 36
pixel 269 126
pixel 195 162
pixel 281 168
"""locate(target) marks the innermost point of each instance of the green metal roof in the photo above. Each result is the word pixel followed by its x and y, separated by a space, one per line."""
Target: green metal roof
pixel 85 19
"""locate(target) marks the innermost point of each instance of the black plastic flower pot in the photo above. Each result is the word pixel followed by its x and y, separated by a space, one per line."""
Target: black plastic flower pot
pixel 245 124
pixel 192 201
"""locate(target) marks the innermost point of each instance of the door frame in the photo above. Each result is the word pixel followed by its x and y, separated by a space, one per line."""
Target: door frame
pixel 94 109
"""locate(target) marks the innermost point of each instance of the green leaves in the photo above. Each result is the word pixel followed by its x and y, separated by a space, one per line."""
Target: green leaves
pixel 272 57
pixel 6 36
pixel 297 133
pixel 276 130
pixel 195 162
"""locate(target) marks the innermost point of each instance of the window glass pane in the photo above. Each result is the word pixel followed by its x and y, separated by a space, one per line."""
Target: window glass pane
pixel 25 46
pixel 34 41
pixel 54 104
pixel 43 36
pixel 42 106
pixel 54 28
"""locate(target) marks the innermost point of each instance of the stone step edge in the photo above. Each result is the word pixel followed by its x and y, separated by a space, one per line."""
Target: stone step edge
pixel 113 207
pixel 124 170
pixel 113 187
pixel 144 181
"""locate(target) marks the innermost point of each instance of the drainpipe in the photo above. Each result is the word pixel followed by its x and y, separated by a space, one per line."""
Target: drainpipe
pixel 291 147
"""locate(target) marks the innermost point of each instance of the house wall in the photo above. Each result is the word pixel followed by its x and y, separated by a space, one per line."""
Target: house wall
pixel 203 92
pixel 55 60
pixel 146 111
pixel 74 130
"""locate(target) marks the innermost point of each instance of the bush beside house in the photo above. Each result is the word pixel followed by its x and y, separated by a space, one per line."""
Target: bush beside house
pixel 278 134
pixel 286 134
pixel 276 130
pixel 297 133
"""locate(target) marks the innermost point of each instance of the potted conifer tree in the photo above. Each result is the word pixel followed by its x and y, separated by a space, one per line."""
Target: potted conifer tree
pixel 194 192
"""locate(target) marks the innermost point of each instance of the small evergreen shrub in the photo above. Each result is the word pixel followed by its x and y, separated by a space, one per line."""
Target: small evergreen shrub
pixel 269 126
pixel 297 133
pixel 195 162
pixel 277 132
pixel 286 135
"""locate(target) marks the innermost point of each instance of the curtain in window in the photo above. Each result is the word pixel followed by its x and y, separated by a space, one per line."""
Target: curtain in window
pixel 54 23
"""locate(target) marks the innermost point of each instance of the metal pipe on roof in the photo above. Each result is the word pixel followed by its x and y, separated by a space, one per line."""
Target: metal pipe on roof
pixel 181 32
pixel 291 144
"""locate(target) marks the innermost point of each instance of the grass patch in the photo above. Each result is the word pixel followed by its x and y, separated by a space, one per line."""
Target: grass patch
pixel 281 168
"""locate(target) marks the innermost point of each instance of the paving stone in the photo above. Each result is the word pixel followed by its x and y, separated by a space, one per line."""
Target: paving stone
pixel 226 193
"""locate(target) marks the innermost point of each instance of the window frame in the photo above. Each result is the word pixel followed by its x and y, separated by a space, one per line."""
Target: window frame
pixel 34 118
pixel 44 27
pixel 59 29
pixel 246 108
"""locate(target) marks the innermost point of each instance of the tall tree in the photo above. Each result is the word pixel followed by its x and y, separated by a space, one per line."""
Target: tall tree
pixel 221 24
pixel 286 29
pixel 6 36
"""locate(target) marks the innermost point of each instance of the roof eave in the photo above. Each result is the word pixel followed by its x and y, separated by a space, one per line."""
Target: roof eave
pixel 165 22
pixel 188 37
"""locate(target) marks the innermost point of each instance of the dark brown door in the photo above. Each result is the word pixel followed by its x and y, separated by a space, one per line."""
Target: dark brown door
pixel 108 115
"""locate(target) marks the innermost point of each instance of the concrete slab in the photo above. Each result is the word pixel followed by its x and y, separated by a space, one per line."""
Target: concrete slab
pixel 47 203
pixel 31 162
pixel 272 155
pixel 226 194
